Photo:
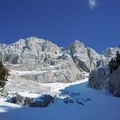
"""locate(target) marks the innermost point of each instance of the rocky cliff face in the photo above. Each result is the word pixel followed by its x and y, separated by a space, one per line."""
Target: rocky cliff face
pixel 107 77
pixel 32 50
pixel 41 60
pixel 101 78
pixel 34 61
pixel 35 50
pixel 85 58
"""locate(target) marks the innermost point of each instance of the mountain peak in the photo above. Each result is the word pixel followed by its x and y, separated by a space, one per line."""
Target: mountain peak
pixel 78 43
pixel 30 40
pixel 110 52
pixel 35 39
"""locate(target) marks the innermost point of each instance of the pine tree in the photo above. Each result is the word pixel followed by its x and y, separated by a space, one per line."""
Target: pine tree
pixel 4 73
pixel 115 62
pixel 118 58
pixel 111 65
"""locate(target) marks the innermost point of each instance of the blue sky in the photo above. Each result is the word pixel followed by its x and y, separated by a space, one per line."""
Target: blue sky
pixel 94 22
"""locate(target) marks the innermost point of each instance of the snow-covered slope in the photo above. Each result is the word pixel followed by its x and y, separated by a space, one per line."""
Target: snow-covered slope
pixel 95 105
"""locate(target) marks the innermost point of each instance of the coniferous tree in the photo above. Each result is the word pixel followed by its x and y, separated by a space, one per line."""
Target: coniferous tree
pixel 118 58
pixel 115 62
pixel 4 73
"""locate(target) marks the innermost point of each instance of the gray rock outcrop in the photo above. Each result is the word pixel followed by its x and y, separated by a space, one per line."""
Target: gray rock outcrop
pixel 101 78
pixel 98 78
pixel 22 100
pixel 41 101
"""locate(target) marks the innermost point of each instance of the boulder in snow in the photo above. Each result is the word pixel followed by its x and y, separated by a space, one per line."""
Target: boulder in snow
pixel 44 101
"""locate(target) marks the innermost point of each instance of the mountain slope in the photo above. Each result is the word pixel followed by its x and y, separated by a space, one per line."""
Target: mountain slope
pixel 49 62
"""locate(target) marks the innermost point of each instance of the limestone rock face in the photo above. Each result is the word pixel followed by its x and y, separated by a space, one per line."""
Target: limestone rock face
pixel 63 70
pixel 97 78
pixel 34 61
pixel 31 50
pixel 39 51
pixel 85 58
pixel 41 61
pixel 101 78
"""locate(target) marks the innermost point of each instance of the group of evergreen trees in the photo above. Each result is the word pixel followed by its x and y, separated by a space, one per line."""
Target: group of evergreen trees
pixel 4 73
pixel 115 62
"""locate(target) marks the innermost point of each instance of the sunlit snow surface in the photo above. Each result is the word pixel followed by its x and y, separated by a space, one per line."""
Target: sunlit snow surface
pixel 101 105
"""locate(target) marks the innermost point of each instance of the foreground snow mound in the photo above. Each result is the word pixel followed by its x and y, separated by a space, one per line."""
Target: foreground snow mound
pixel 95 105
pixel 6 106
